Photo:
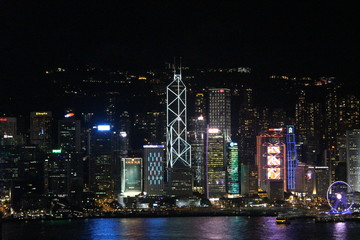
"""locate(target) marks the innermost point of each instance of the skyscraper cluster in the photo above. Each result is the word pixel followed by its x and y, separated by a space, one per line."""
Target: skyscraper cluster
pixel 207 141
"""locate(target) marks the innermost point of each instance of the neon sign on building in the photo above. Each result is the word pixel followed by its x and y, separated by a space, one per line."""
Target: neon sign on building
pixel 271 157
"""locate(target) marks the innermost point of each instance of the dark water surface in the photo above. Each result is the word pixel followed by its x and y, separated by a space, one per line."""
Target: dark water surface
pixel 179 228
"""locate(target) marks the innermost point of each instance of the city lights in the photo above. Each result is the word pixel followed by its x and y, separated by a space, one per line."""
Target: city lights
pixel 103 127
pixel 214 130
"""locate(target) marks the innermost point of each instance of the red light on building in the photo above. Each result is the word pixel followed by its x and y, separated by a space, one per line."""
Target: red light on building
pixel 275 129
pixel 221 90
pixel 69 115
pixel 3 119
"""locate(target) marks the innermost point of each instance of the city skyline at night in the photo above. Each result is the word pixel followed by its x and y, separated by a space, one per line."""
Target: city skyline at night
pixel 155 109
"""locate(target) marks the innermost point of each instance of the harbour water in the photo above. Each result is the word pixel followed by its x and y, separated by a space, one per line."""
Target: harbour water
pixel 178 228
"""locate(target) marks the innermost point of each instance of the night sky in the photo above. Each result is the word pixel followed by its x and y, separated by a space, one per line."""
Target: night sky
pixel 274 37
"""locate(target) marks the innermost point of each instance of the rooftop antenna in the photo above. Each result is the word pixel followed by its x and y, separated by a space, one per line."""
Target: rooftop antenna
pixel 180 64
pixel 174 66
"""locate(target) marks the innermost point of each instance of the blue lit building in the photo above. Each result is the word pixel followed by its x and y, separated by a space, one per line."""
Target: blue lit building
pixel 291 156
pixel 154 165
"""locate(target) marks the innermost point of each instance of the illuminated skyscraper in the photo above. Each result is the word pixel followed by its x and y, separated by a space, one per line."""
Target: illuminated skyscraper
pixel 125 133
pixel 353 158
pixel 40 129
pixel 69 134
pixel 178 149
pixel 154 170
pixel 104 161
pixel 271 157
pixel 247 129
pixel 232 169
pixel 331 127
pixel 57 174
pixel 301 116
pixel 131 176
pixel 220 111
pixel 291 157
pixel 197 140
pixel 69 145
pixel 215 164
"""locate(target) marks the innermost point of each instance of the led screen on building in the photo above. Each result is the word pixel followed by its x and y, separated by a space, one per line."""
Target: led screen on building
pixel 273 161
pixel 131 176
pixel 273 173
pixel 273 149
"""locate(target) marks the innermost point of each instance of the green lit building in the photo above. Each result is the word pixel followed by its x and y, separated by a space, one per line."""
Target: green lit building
pixel 232 169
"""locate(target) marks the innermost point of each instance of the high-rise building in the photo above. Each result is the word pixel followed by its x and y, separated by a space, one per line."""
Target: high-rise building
pixel 32 180
pixel 200 105
pixel 263 119
pixel 125 133
pixel 247 129
pixel 219 111
pixel 275 189
pixel 197 137
pixel 103 165
pixel 178 149
pixel 131 176
pixel 215 164
pixel 278 117
pixel 111 108
pixel 151 127
pixel 10 163
pixel 349 113
pixel 8 130
pixel 312 180
pixel 353 158
pixel 271 157
pixel 232 169
pixel 41 129
pixel 331 128
pixel 301 116
pixel 57 174
pixel 341 158
pixel 305 180
pixel 248 179
pixel 69 135
pixel 154 170
pixel 322 174
pixel 291 157
pixel 309 151
pixel 69 144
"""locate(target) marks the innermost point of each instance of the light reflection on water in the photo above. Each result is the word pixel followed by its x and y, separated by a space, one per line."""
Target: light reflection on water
pixel 340 230
pixel 262 228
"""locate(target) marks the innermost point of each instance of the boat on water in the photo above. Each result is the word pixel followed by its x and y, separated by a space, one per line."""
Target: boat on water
pixel 282 220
